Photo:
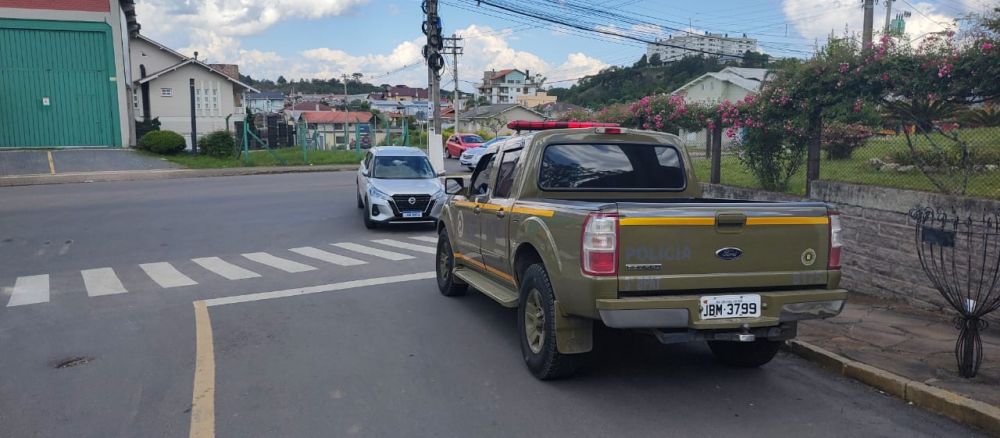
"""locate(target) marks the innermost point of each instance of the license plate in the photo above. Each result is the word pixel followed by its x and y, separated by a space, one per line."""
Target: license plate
pixel 730 306
pixel 413 214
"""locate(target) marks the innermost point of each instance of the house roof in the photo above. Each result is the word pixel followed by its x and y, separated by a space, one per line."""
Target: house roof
pixel 487 111
pixel 335 116
pixel 184 60
pixel 503 73
pixel 311 106
pixel 269 95
pixel 746 78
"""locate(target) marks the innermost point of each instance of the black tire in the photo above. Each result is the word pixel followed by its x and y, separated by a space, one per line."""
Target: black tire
pixel 547 363
pixel 445 267
pixel 366 214
pixel 745 354
pixel 361 203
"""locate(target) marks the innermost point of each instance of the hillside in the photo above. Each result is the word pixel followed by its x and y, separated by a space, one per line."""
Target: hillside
pixel 618 84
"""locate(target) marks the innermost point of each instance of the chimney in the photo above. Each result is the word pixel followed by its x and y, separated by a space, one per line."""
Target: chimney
pixel 231 70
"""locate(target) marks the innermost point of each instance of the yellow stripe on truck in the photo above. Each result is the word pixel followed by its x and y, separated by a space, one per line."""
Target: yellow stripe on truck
pixel 710 221
pixel 534 211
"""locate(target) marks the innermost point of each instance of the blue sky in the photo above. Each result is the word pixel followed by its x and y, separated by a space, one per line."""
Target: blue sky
pixel 382 38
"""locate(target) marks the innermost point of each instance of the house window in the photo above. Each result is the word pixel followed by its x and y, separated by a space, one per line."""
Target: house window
pixel 166 92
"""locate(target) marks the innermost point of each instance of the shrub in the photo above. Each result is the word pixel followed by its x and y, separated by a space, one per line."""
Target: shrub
pixel 162 142
pixel 945 157
pixel 486 135
pixel 217 144
pixel 840 140
pixel 771 156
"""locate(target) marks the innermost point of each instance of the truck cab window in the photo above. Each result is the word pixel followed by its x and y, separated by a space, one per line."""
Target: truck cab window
pixel 505 173
pixel 481 176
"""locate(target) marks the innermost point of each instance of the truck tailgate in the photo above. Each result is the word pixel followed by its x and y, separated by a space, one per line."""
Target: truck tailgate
pixel 666 248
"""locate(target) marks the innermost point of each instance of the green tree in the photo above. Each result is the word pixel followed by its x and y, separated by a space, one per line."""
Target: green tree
pixel 282 80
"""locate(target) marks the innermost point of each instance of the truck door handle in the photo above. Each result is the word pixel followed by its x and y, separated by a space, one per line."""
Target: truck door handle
pixel 500 213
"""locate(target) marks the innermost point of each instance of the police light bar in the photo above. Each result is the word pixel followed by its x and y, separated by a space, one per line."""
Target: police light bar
pixel 525 125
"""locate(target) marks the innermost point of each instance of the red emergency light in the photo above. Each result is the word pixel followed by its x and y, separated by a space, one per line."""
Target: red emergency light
pixel 525 125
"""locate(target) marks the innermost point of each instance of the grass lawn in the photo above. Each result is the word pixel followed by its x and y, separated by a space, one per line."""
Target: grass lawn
pixel 857 170
pixel 291 156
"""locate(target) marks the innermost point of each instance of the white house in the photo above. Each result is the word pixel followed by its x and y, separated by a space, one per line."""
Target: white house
pixel 494 118
pixel 163 90
pixel 731 83
pixel 266 102
pixel 503 87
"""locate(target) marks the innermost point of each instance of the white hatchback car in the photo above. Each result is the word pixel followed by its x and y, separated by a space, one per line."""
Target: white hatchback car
pixel 398 184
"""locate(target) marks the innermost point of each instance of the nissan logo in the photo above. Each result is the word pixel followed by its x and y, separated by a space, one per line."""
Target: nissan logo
pixel 412 200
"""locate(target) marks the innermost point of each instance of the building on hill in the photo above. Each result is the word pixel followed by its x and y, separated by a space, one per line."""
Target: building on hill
pixel 162 83
pixel 503 86
pixel 730 83
pixel 719 45
pixel 401 93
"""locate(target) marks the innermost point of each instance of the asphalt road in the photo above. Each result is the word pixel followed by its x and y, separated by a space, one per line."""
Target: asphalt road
pixel 114 352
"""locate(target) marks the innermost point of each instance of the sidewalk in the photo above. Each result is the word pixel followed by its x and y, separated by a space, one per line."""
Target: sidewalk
pixel 160 174
pixel 912 343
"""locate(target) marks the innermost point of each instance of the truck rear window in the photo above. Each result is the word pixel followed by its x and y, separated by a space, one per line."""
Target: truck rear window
pixel 611 167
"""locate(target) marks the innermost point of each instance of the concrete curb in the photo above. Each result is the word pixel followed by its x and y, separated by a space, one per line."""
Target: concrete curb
pixel 957 407
pixel 160 174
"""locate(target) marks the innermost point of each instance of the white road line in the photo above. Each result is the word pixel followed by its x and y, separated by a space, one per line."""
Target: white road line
pixel 102 281
pixel 328 257
pixel 318 289
pixel 278 262
pixel 33 289
pixel 165 275
pixel 431 239
pixel 395 256
pixel 405 245
pixel 225 269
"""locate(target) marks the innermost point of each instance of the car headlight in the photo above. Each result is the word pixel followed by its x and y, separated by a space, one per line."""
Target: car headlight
pixel 376 193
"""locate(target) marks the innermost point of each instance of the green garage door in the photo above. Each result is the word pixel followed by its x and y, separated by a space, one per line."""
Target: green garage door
pixel 56 85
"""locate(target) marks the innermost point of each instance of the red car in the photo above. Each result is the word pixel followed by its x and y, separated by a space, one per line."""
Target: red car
pixel 458 143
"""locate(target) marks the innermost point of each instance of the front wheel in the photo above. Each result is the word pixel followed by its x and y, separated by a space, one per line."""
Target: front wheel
pixel 361 203
pixel 536 321
pixel 745 354
pixel 445 268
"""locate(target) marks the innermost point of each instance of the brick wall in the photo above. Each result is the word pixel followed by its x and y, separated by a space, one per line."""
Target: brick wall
pixel 879 257
pixel 60 5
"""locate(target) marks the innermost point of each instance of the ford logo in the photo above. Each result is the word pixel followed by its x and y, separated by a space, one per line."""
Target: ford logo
pixel 412 200
pixel 729 253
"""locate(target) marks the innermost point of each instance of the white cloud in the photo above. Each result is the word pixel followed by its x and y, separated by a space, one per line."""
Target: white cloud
pixel 816 20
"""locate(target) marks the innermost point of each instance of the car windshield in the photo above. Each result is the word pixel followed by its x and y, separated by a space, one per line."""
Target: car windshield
pixel 406 167
pixel 489 142
pixel 472 139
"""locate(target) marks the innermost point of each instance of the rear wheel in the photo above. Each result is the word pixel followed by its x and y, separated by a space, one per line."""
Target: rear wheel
pixel 745 354
pixel 445 267
pixel 536 321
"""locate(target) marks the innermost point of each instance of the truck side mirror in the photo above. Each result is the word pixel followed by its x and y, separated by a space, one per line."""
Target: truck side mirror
pixel 454 185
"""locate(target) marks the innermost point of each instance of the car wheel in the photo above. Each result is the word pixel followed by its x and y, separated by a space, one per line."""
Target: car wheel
pixel 367 215
pixel 536 325
pixel 445 267
pixel 745 354
pixel 361 203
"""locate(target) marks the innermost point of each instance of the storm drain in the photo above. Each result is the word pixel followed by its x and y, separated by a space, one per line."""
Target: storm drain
pixel 72 362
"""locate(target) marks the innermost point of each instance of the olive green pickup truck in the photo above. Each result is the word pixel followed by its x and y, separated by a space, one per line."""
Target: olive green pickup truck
pixel 574 226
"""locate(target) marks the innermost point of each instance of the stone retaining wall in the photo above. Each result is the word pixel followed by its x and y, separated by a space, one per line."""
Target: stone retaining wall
pixel 879 255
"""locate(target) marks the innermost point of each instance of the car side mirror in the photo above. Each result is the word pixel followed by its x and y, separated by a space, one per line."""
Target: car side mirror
pixel 454 185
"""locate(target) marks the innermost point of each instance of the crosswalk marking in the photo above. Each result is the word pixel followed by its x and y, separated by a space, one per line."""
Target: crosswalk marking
pixel 165 275
pixel 406 245
pixel 225 269
pixel 326 256
pixel 431 239
pixel 278 262
pixel 395 256
pixel 102 281
pixel 33 289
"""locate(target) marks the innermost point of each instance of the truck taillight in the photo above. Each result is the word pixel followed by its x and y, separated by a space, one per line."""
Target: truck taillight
pixel 836 241
pixel 599 244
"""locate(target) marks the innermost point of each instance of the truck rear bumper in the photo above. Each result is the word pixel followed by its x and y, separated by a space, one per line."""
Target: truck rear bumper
pixel 683 311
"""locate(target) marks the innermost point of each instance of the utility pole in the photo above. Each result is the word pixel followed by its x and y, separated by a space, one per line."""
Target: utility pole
pixel 888 12
pixel 453 48
pixel 435 63
pixel 866 35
